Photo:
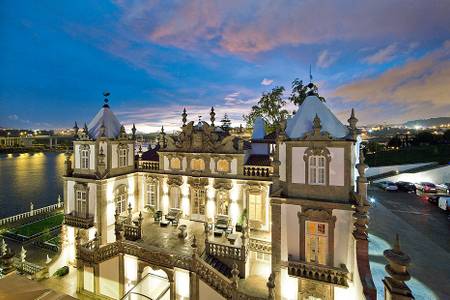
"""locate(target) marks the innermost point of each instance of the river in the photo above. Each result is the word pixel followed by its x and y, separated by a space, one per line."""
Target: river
pixel 29 177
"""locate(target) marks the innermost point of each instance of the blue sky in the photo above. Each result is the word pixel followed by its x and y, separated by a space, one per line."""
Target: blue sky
pixel 389 59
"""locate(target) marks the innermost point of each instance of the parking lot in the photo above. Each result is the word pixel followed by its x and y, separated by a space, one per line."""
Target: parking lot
pixel 424 231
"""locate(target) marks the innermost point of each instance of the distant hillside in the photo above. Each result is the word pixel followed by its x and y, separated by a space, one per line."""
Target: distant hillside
pixel 428 122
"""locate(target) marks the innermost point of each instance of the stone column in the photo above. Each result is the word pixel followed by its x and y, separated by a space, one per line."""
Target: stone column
pixel 80 276
pixel 276 248
pixel 97 279
pixel 193 286
pixel 395 287
pixel 101 225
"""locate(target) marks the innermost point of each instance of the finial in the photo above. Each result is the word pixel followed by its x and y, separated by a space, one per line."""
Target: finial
pixel 316 125
pixel 133 131
pixel 106 94
pixel 397 243
pixel 184 116
pixel 85 128
pixel 352 122
pixel 213 116
pixel 75 128
pixel 102 130
pixel 123 133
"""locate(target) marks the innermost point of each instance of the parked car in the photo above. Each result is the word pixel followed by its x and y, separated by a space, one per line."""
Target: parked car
pixel 388 186
pixel 444 203
pixel 426 187
pixel 406 186
pixel 443 188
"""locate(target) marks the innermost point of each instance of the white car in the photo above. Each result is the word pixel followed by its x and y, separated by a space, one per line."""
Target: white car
pixel 388 186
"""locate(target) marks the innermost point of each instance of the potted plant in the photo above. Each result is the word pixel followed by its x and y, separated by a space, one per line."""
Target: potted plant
pixel 241 221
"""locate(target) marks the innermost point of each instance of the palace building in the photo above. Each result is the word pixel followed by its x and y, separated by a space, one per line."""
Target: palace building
pixel 205 214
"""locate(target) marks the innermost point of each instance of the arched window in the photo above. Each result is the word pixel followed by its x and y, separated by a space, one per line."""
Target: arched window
pixel 175 163
pixel 317 170
pixel 121 199
pixel 223 166
pixel 197 164
pixel 175 196
pixel 84 157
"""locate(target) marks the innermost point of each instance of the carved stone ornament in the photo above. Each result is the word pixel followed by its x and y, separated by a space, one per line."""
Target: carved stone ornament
pixel 317 134
pixel 202 138
pixel 199 182
pixel 223 185
pixel 175 180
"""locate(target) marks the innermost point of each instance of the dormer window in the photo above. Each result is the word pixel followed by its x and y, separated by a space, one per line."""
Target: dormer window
pixel 84 156
pixel 317 170
pixel 123 156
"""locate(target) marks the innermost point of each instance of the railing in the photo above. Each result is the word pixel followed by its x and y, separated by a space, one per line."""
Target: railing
pixel 335 276
pixel 257 171
pixel 226 251
pixel 213 278
pixel 32 212
pixel 258 245
pixel 149 165
pixel 132 232
pixel 27 267
pixel 77 221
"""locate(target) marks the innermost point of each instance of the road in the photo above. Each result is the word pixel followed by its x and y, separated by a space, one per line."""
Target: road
pixel 424 231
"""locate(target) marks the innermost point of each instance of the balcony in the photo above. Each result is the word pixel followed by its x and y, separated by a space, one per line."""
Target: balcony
pixel 257 171
pixel 326 274
pixel 73 220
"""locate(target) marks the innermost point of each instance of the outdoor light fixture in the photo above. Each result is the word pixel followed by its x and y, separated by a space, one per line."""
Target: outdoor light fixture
pixel 372 199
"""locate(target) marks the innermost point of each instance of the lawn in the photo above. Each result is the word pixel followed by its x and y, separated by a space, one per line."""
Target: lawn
pixel 40 226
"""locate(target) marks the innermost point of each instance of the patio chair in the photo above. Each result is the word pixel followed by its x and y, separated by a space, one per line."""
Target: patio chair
pixel 157 216
pixel 222 222
pixel 173 215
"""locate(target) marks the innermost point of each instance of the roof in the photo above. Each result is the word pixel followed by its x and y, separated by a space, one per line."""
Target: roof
pixel 258 129
pixel 258 160
pixel 302 122
pixel 106 118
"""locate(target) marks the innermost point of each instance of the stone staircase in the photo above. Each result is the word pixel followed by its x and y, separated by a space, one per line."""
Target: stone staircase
pixel 217 264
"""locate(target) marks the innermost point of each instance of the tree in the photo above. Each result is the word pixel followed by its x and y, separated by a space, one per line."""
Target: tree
pixel 447 136
pixel 395 142
pixel 270 108
pixel 226 123
pixel 300 92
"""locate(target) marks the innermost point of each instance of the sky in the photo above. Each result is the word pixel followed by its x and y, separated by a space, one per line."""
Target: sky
pixel 388 59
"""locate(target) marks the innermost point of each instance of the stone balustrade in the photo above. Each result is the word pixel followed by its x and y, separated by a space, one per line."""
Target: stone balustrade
pixel 261 246
pixel 27 267
pixel 132 232
pixel 148 165
pixel 257 171
pixel 33 212
pixel 226 251
pixel 332 275
pixel 72 219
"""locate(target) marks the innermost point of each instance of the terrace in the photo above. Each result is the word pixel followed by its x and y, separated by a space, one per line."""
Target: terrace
pixel 254 251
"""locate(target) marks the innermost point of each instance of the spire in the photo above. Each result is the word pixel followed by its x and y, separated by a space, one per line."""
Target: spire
pixel 85 128
pixel 106 100
pixel 213 116
pixel 162 138
pixel 316 125
pixel 184 116
pixel 123 133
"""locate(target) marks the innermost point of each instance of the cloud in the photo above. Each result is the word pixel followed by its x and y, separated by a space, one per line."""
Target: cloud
pixel 326 59
pixel 13 117
pixel 382 55
pixel 257 26
pixel 419 88
pixel 266 81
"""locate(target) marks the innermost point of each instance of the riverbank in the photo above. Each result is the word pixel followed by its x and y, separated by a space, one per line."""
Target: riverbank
pixel 32 150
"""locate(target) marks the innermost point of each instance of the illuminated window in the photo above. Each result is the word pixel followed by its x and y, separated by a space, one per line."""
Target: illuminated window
pixel 84 154
pixel 223 166
pixel 198 201
pixel 255 212
pixel 152 193
pixel 317 170
pixel 123 157
pixel 175 197
pixel 121 199
pixel 316 242
pixel 197 164
pixel 81 200
pixel 222 202
pixel 175 163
